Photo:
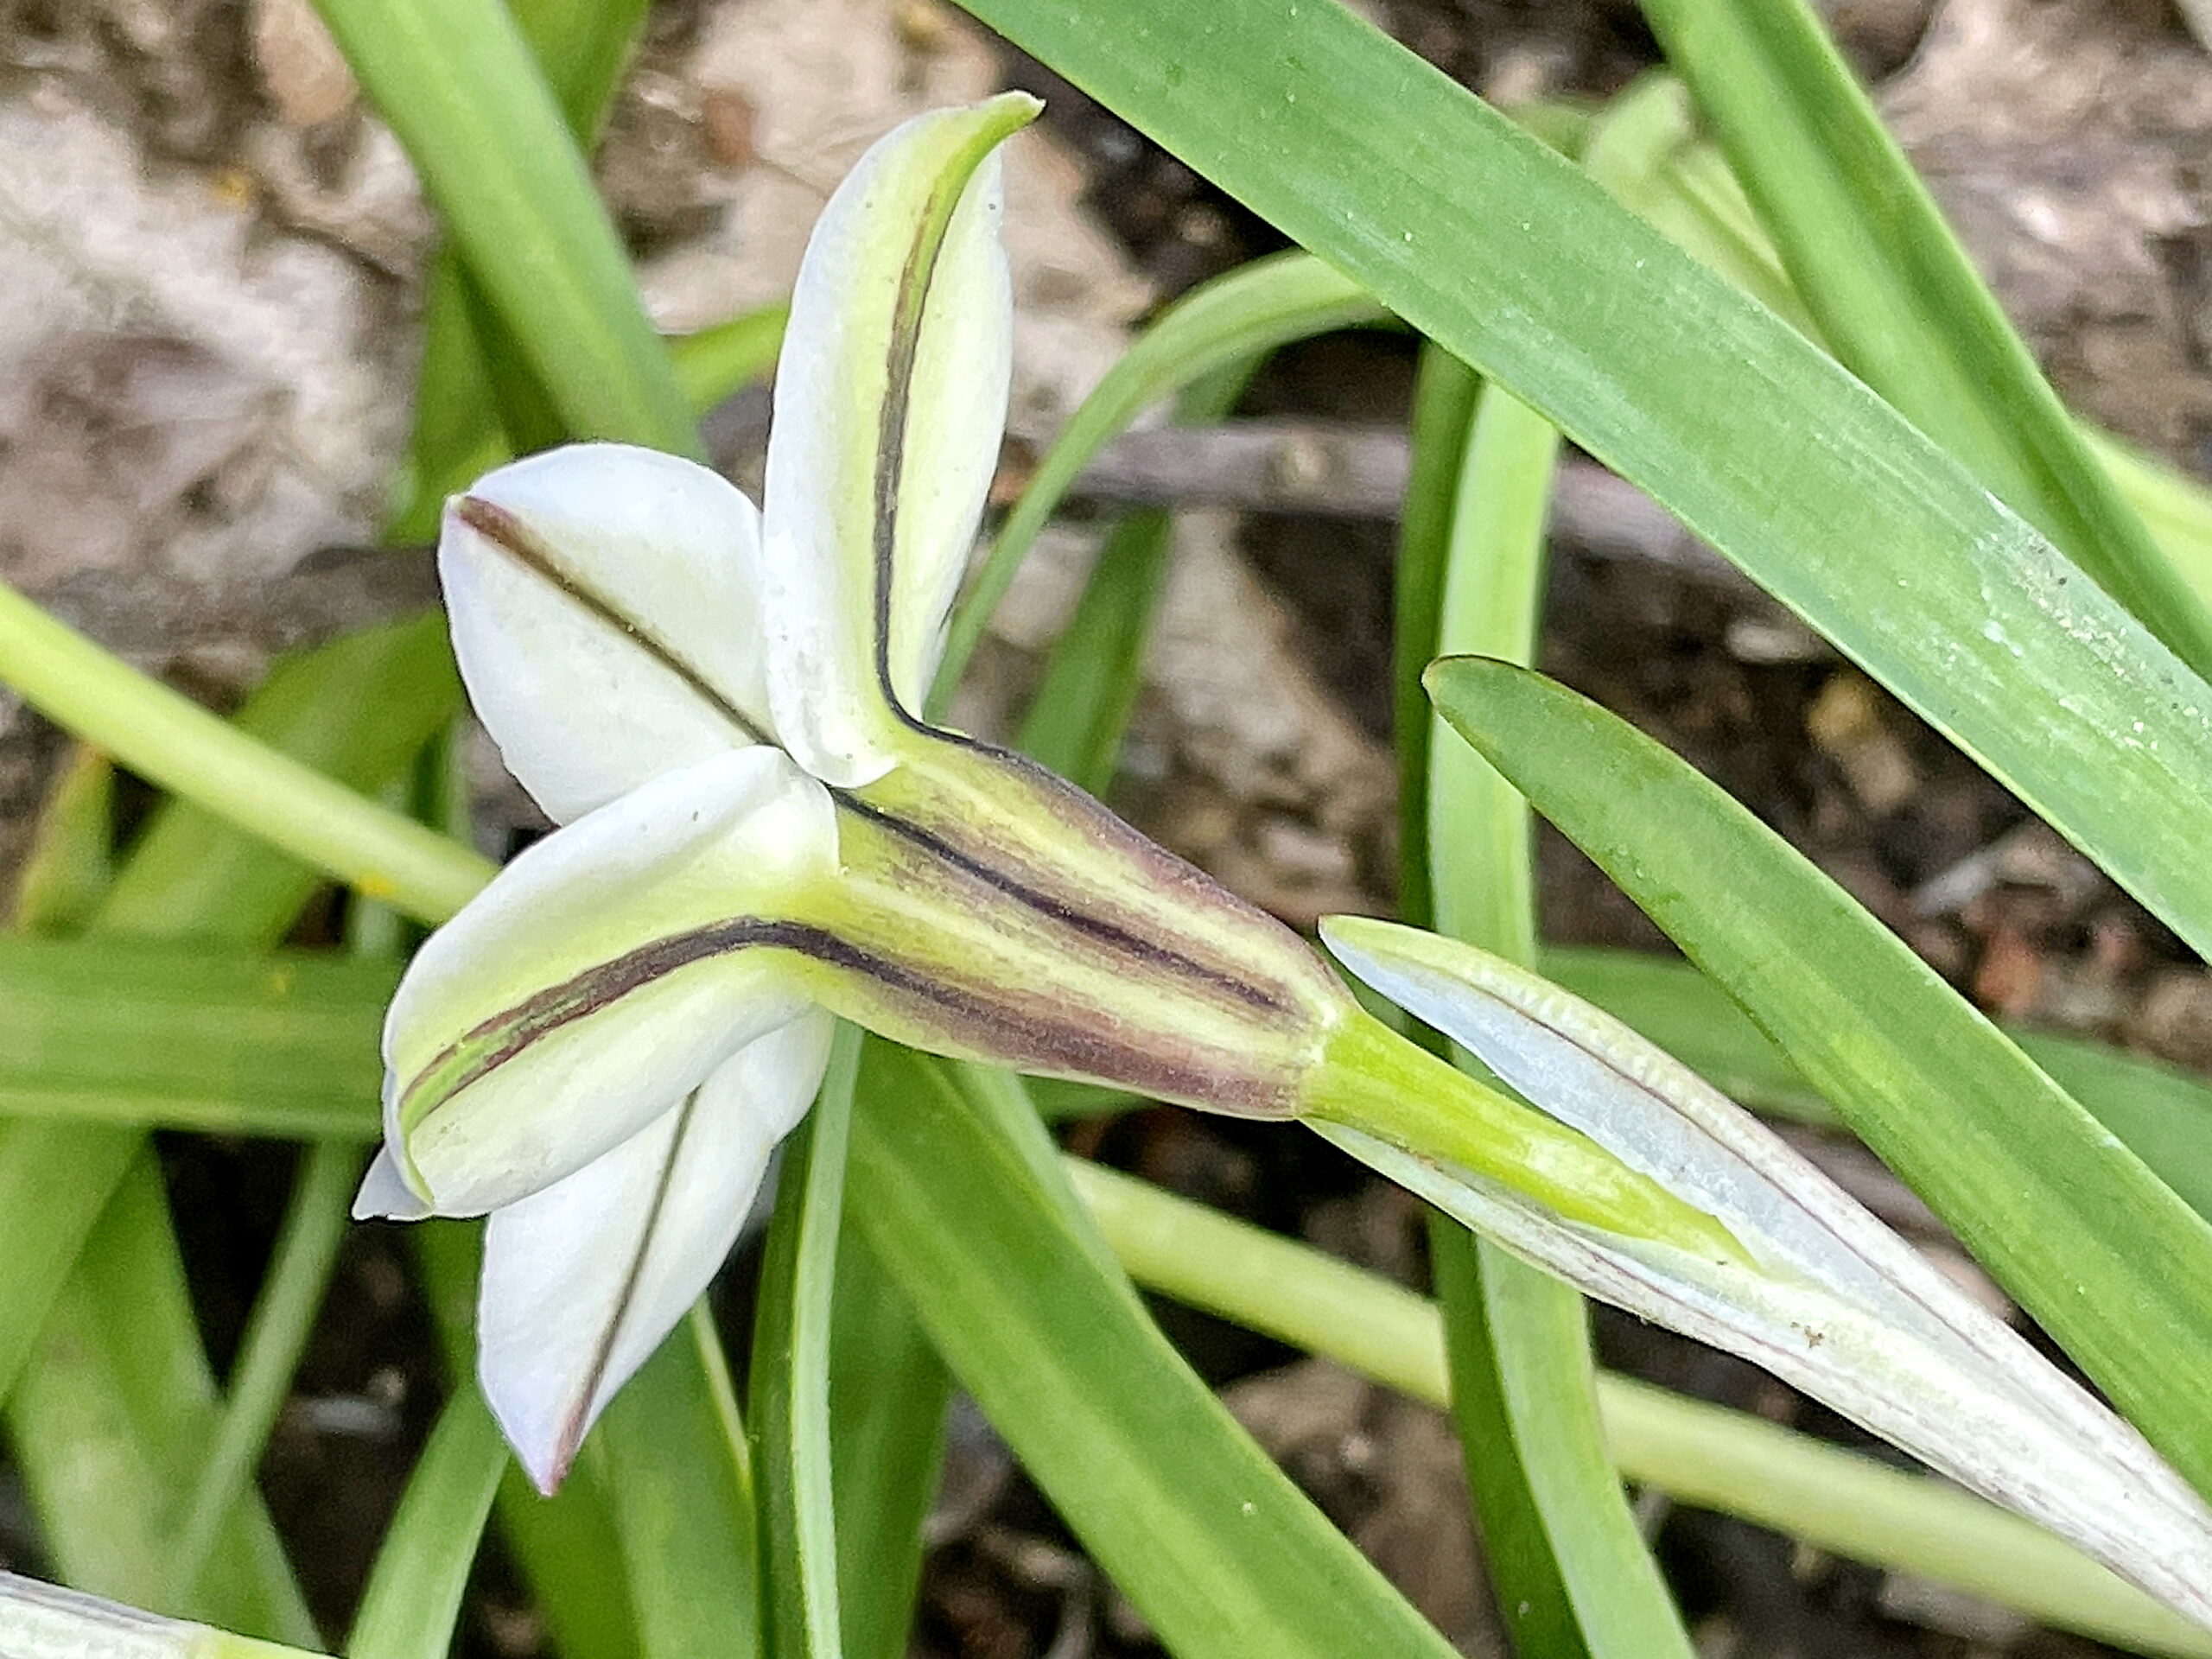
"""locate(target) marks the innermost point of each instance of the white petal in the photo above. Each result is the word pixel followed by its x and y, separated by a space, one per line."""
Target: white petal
pixel 844 497
pixel 384 1194
pixel 583 1280
pixel 1844 1310
pixel 605 603
pixel 599 978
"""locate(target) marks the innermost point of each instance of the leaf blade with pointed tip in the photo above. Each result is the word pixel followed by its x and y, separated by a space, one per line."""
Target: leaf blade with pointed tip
pixel 2114 1265
pixel 1498 249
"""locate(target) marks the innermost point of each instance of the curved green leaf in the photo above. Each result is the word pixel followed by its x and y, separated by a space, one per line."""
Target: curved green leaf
pixel 2093 1245
pixel 1505 254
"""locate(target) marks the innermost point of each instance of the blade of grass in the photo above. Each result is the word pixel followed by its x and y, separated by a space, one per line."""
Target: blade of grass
pixel 790 1372
pixel 2112 1264
pixel 1700 1454
pixel 412 1603
pixel 1646 150
pixel 360 708
pixel 456 81
pixel 170 740
pixel 1895 294
pixel 64 1173
pixel 564 1543
pixel 70 861
pixel 232 1043
pixel 1202 1533
pixel 888 1392
pixel 671 1455
pixel 269 1354
pixel 1443 415
pixel 1238 316
pixel 1505 254
pixel 1570 1564
pixel 110 1417
pixel 1082 709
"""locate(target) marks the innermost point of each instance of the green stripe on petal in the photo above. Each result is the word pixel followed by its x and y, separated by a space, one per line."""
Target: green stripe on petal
pixel 601 977
pixel 890 402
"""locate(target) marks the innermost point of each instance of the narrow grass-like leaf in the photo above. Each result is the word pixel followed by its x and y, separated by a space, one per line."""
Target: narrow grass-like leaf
pixel 1570 1564
pixel 110 1417
pixel 386 689
pixel 1203 1533
pixel 413 1599
pixel 456 81
pixel 672 1458
pixel 169 740
pixel 2070 1222
pixel 564 1543
pixel 888 1392
pixel 1075 722
pixel 1895 297
pixel 1443 414
pixel 790 1371
pixel 276 1334
pixel 1648 151
pixel 1702 1454
pixel 1241 314
pixel 187 1037
pixel 70 861
pixel 1503 253
pixel 360 709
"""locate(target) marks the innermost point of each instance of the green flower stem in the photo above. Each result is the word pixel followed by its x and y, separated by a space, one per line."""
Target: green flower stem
pixel 1375 1081
pixel 1702 1454
pixel 169 740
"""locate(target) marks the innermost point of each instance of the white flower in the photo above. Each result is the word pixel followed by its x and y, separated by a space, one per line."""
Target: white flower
pixel 601 1050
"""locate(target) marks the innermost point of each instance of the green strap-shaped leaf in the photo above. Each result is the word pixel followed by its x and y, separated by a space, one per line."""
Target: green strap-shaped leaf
pixel 456 81
pixel 964 1203
pixel 1895 294
pixel 2093 1245
pixel 115 1406
pixel 413 1599
pixel 1571 1569
pixel 790 1372
pixel 1505 254
pixel 277 1332
pixel 671 1459
pixel 1443 414
pixel 1237 316
pixel 888 1392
